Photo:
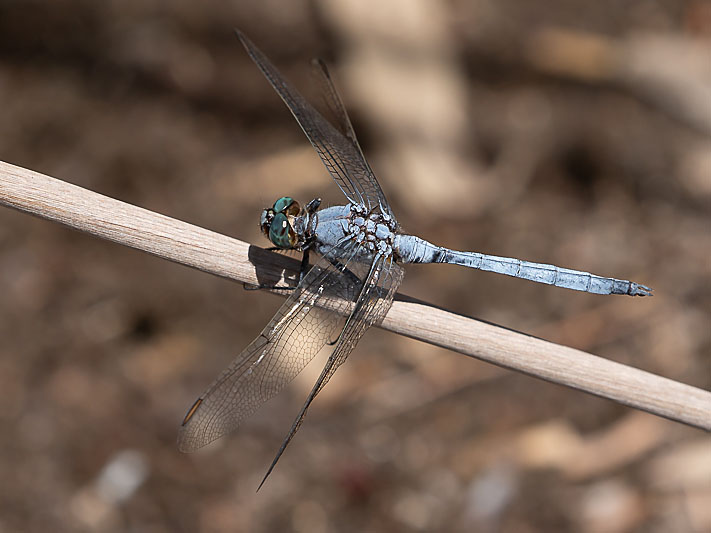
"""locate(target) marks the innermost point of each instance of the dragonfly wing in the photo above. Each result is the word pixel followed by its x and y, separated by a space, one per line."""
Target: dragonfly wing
pixel 339 152
pixel 312 316
pixel 382 279
pixel 365 176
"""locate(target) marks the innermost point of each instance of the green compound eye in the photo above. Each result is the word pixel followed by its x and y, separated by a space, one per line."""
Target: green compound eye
pixel 287 205
pixel 282 204
pixel 280 232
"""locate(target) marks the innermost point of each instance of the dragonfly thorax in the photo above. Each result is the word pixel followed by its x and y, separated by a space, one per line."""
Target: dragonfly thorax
pixel 375 231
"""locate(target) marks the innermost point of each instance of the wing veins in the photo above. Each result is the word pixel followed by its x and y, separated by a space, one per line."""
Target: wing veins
pixel 353 329
pixel 272 355
pixel 355 178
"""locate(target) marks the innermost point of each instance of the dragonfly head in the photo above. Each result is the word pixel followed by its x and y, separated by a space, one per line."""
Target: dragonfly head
pixel 277 223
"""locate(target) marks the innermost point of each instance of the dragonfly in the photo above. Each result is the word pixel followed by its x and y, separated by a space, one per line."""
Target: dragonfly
pixel 360 249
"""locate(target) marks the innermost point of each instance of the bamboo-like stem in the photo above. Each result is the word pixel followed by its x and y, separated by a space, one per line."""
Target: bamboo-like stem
pixel 224 256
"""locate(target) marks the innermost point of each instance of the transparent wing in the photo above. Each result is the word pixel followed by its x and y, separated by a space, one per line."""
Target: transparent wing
pixel 343 121
pixel 339 152
pixel 381 280
pixel 292 338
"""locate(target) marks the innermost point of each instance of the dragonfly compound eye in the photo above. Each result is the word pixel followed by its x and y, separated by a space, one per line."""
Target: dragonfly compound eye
pixel 287 205
pixel 281 233
pixel 294 209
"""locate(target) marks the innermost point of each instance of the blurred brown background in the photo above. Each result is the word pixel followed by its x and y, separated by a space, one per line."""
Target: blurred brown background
pixel 575 133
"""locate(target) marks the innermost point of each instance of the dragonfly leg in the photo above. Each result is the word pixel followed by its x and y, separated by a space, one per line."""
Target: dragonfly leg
pixel 267 287
pixel 313 205
pixel 343 268
pixel 351 276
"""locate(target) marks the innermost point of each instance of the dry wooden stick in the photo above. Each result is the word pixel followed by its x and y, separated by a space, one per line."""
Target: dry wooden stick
pixel 211 252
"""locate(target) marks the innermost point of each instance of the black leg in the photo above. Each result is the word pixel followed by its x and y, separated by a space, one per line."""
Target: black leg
pixel 304 265
pixel 313 205
pixel 342 268
pixel 266 286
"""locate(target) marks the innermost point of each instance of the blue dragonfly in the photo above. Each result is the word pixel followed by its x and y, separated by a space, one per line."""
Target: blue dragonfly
pixel 360 249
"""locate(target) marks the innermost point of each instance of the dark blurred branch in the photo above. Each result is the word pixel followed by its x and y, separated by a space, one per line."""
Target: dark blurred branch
pixel 669 71
pixel 211 252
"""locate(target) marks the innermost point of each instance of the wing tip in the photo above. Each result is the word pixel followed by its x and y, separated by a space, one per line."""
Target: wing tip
pixel 243 38
pixel 185 443
pixel 186 439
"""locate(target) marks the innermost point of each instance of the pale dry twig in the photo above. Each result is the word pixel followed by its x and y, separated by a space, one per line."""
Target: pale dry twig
pixel 224 256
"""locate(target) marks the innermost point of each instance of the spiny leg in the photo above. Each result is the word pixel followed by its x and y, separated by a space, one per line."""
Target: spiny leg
pixel 343 268
pixel 313 206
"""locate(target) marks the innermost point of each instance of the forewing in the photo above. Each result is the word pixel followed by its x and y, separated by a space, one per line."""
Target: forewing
pixel 381 281
pixel 366 177
pixel 340 153
pixel 286 345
